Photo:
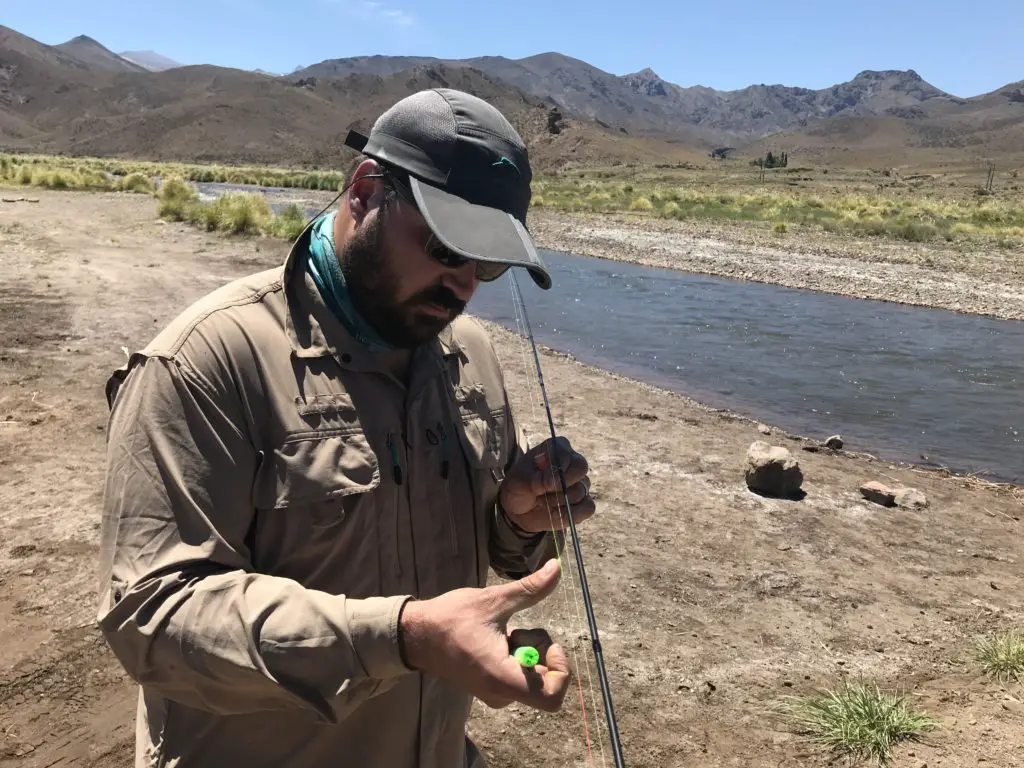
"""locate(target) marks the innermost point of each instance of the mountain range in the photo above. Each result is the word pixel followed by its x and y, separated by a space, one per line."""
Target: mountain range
pixel 80 97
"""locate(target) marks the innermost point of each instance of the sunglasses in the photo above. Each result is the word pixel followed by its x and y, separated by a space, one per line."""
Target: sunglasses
pixel 486 271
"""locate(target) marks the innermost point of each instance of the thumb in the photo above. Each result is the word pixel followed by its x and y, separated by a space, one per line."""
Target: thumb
pixel 529 590
pixel 541 461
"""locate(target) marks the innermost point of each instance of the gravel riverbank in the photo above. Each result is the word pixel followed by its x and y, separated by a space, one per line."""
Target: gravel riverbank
pixel 976 279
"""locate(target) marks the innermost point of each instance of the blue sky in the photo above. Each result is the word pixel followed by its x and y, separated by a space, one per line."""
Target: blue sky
pixel 962 46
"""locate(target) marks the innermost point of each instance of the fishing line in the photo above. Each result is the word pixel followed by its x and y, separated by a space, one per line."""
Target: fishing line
pixel 568 585
pixel 602 674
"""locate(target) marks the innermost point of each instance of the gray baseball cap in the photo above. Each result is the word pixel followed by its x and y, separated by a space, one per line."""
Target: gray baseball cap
pixel 468 170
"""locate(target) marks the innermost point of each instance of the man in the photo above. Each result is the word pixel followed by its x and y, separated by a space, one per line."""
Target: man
pixel 311 470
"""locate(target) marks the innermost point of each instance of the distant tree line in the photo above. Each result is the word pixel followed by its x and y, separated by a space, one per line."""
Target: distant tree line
pixel 771 160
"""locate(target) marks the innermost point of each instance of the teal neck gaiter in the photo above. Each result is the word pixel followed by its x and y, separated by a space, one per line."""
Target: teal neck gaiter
pixel 326 272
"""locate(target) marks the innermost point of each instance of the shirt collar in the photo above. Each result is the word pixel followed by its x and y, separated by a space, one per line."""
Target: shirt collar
pixel 314 331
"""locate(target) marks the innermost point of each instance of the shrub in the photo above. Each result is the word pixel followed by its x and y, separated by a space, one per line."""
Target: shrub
pixel 137 182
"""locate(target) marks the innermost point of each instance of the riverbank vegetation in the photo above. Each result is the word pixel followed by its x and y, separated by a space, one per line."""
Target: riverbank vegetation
pixel 791 201
pixel 883 213
pixel 92 173
pixel 237 213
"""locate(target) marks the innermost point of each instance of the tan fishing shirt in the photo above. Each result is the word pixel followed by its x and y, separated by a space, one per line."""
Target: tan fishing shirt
pixel 272 498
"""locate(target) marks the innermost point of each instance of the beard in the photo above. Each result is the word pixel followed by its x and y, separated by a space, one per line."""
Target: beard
pixel 372 282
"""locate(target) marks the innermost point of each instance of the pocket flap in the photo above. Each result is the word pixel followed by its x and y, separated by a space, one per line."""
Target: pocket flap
pixel 482 438
pixel 334 402
pixel 312 469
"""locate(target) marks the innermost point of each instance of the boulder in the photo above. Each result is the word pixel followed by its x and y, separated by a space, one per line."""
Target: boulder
pixel 911 498
pixel 764 429
pixel 772 471
pixel 555 123
pixel 878 493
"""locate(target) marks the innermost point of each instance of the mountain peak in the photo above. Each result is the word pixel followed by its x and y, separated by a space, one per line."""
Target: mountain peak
pixel 649 73
pixel 83 40
pixel 646 82
pixel 96 56
pixel 886 74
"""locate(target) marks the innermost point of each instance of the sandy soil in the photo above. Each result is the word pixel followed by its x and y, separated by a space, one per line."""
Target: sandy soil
pixel 712 602
pixel 975 279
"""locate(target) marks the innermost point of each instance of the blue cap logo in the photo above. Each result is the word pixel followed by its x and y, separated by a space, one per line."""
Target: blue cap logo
pixel 504 162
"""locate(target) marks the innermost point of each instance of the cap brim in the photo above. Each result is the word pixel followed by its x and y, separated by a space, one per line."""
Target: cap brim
pixel 479 232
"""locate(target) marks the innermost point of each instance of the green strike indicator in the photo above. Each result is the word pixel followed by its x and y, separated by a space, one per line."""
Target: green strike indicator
pixel 527 656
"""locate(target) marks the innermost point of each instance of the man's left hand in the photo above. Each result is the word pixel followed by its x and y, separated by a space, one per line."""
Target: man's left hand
pixel 531 493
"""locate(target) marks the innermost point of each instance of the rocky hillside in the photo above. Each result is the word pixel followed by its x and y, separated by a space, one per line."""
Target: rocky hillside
pixel 150 60
pixel 81 98
pixel 96 56
pixel 51 101
pixel 646 103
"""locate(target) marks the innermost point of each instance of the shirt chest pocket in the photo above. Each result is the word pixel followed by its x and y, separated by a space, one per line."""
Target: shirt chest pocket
pixel 316 512
pixel 482 430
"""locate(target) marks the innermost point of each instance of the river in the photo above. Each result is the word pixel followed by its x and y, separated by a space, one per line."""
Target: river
pixel 906 383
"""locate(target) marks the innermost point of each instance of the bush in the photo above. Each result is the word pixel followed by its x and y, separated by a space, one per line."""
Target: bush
pixel 289 223
pixel 779 228
pixel 177 199
pixel 641 204
pixel 914 231
pixel 137 182
pixel 857 719
pixel 240 213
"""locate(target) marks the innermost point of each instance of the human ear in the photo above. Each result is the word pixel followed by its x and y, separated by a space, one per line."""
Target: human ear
pixel 365 193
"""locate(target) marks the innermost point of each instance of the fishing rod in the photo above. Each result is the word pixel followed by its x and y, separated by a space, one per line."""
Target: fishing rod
pixel 609 711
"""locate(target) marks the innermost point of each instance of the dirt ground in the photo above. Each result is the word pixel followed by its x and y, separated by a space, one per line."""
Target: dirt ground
pixel 712 602
pixel 967 277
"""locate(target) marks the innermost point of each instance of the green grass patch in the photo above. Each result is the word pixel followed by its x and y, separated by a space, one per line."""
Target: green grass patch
pixel 891 215
pixel 113 170
pixel 237 213
pixel 857 720
pixel 1002 656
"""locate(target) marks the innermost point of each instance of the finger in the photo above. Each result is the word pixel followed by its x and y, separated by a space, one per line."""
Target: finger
pixel 550 481
pixel 556 518
pixel 574 469
pixel 535 638
pixel 557 452
pixel 542 687
pixel 527 591
pixel 576 493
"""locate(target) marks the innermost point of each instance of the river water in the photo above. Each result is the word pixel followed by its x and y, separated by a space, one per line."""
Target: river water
pixel 906 383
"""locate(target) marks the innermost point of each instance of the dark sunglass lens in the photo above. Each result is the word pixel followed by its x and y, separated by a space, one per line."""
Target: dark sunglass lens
pixel 487 271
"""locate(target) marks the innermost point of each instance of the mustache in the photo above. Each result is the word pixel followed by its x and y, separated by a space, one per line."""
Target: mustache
pixel 438 294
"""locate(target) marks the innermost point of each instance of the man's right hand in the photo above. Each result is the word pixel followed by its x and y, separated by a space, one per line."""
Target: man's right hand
pixel 462 636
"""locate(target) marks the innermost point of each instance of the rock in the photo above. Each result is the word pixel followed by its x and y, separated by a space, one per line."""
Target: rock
pixel 764 429
pixel 772 470
pixel 878 493
pixel 835 443
pixel 911 498
pixel 555 124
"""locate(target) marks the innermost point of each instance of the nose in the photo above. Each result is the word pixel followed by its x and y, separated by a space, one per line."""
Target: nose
pixel 462 281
